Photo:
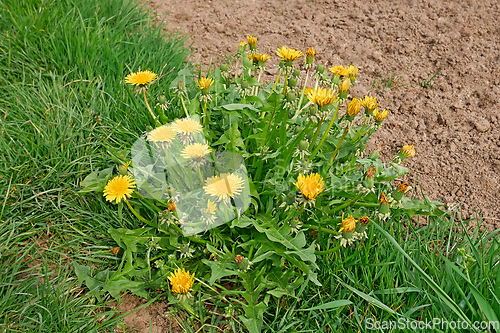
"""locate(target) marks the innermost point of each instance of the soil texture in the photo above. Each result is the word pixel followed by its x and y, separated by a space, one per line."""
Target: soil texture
pixel 434 64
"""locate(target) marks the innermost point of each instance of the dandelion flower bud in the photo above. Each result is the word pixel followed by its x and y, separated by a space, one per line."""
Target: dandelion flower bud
pixel 344 87
pixel 408 151
pixel 384 204
pixel 348 225
pixel 380 116
pixel 401 189
pixel 370 104
pixel 303 145
pixel 252 42
pixel 369 180
pixel 290 97
pixel 363 224
pixel 353 108
pixel 309 61
pixel 242 46
pixel 352 72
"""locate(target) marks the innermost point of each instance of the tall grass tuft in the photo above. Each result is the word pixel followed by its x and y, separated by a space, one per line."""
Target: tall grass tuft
pixel 62 102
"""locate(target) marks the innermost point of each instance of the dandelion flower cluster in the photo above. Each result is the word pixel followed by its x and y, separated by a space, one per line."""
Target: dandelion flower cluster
pixel 119 188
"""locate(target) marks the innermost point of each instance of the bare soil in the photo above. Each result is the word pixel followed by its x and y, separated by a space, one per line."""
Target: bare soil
pixel 454 124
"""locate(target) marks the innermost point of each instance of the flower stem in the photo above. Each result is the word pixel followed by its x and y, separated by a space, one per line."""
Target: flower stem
pixel 184 106
pixel 138 215
pixel 285 85
pixel 316 134
pixel 303 90
pixel 317 227
pixel 147 104
pixel 205 114
pixel 276 83
pixel 201 177
pixel 340 142
pixel 325 135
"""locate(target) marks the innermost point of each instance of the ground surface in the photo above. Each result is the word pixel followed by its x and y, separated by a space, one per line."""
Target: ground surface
pixel 454 124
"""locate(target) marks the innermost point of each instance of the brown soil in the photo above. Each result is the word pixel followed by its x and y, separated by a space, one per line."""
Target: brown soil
pixel 454 124
pixel 155 318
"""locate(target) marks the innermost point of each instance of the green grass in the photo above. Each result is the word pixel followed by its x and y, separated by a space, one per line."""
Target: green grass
pixel 399 273
pixel 62 101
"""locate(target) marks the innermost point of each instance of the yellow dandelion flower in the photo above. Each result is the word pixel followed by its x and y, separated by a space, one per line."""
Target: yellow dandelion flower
pixel 311 52
pixel 140 78
pixel 352 71
pixel 309 60
pixel 339 70
pixel 187 126
pixel 287 54
pixel 211 207
pixel 310 186
pixel 321 97
pixel 241 47
pixel 252 41
pixel 262 57
pixel 172 206
pixel 118 188
pixel 345 85
pixel 369 103
pixel 252 57
pixel 162 134
pixel 408 151
pixel 380 116
pixel 354 107
pixel 195 150
pixel 308 91
pixel 348 224
pixel 224 187
pixel 181 281
pixel 205 82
